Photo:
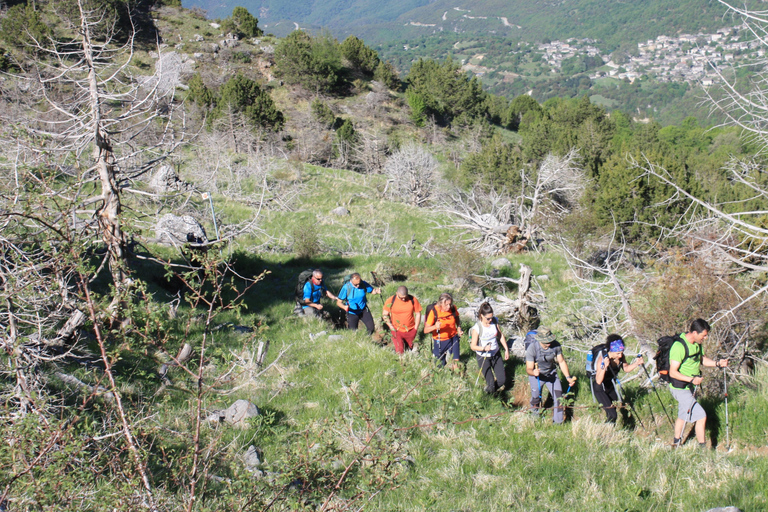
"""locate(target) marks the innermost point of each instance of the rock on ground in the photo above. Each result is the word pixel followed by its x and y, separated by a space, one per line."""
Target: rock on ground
pixel 174 229
pixel 239 412
pixel 501 263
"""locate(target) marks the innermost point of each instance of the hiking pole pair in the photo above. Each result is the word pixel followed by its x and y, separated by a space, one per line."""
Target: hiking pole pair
pixel 656 391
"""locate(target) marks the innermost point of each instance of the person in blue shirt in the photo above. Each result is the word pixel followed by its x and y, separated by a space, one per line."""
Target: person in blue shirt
pixel 355 294
pixel 314 290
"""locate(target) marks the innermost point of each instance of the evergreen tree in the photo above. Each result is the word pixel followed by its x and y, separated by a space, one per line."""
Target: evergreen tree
pixel 312 62
pixel 241 94
pixel 359 56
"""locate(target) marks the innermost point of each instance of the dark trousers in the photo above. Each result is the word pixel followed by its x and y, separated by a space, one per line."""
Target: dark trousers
pixel 492 369
pixel 605 394
pixel 442 348
pixel 353 320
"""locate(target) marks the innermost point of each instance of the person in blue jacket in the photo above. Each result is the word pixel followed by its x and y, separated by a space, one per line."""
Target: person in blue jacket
pixel 314 290
pixel 355 293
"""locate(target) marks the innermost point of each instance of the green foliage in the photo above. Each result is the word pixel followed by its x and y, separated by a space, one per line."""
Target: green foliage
pixel 387 74
pixel 306 241
pixel 446 91
pixel 322 113
pixel 346 132
pixel 312 62
pixel 518 108
pixel 418 107
pixel 359 56
pixel 497 164
pixel 243 95
pixel 21 26
pixel 199 93
pixel 242 23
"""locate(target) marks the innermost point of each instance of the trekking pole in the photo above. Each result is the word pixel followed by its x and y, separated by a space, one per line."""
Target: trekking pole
pixel 656 391
pixel 629 404
pixel 378 283
pixel 727 431
pixel 538 381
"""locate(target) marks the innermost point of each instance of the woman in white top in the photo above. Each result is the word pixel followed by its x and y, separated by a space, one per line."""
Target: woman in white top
pixel 486 336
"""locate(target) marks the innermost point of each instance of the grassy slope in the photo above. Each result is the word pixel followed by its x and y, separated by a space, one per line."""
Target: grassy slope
pixel 476 453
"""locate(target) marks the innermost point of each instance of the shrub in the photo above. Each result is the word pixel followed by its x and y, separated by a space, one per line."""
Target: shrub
pixel 313 63
pixel 242 23
pixel 306 241
pixel 241 94
pixel 21 25
pixel 359 56
pixel 322 113
pixel 386 74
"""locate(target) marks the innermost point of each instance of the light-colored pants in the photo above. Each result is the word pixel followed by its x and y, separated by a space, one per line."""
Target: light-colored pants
pixel 552 383
pixel 688 408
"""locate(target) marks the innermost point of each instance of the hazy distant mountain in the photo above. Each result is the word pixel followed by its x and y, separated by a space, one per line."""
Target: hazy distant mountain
pixel 610 21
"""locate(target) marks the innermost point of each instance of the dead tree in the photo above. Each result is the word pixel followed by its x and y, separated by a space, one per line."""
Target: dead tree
pixel 411 173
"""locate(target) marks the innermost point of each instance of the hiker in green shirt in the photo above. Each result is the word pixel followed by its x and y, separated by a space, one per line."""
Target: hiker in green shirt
pixel 685 361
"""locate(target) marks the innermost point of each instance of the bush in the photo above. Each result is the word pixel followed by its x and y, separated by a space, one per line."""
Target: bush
pixel 242 23
pixel 199 93
pixel 21 25
pixel 359 56
pixel 306 241
pixel 241 94
pixel 322 113
pixel 386 74
pixel 313 63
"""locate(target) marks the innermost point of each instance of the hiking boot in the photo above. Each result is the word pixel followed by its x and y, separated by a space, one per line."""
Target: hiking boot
pixel 489 390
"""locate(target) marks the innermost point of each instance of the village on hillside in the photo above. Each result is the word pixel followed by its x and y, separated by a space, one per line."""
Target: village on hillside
pixel 686 57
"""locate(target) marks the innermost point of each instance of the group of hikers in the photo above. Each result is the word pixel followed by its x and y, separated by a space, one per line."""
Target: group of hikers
pixel 679 360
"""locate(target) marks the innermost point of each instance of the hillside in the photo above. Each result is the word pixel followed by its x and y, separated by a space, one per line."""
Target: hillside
pixel 612 23
pixel 160 198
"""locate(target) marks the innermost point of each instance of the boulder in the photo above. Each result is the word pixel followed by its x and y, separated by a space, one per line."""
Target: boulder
pixel 724 509
pixel 517 347
pixel 340 211
pixel 172 229
pixel 239 412
pixel 501 263
pixel 198 38
pixel 252 459
pixel 166 180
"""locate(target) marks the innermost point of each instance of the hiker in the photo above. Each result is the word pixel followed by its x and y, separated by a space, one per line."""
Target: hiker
pixel 402 313
pixel 609 361
pixel 314 290
pixel 541 360
pixel 685 361
pixel 442 321
pixel 355 294
pixel 485 338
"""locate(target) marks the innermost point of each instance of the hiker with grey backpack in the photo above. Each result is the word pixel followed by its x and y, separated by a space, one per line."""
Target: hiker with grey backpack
pixel 485 339
pixel 685 359
pixel 542 358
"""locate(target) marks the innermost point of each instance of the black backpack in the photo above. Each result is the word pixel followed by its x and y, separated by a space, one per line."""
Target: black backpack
pixel 431 308
pixel 302 280
pixel 662 355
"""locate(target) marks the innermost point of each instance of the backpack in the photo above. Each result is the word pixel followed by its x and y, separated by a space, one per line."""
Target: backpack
pixel 494 321
pixel 408 297
pixel 431 308
pixel 530 337
pixel 302 280
pixel 593 355
pixel 345 282
pixel 662 356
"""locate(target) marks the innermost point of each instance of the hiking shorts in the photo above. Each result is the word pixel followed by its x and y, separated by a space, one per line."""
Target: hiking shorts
pixel 688 408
